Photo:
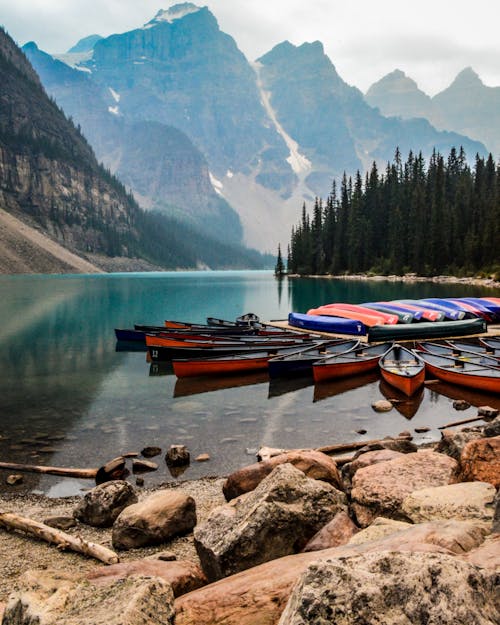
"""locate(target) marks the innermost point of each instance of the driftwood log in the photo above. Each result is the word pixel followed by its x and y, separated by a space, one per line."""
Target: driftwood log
pixel 57 537
pixel 265 453
pixel 112 470
pixel 461 422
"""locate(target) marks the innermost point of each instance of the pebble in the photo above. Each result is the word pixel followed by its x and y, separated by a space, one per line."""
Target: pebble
pixel 202 458
pixel 151 452
pixel 382 405
pixel 461 404
pixel 421 430
pixel 361 431
pixel 14 478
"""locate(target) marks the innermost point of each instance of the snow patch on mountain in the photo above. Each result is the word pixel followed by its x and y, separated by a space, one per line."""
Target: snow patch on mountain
pixel 216 184
pixel 114 110
pixel 176 12
pixel 298 162
pixel 116 96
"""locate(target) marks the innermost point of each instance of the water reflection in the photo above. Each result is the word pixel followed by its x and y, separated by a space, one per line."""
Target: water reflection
pixel 407 406
pixel 69 395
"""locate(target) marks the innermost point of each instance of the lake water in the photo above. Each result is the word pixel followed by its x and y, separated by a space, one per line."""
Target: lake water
pixel 69 398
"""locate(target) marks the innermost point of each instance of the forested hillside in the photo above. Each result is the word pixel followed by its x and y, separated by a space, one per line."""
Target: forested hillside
pixel 440 217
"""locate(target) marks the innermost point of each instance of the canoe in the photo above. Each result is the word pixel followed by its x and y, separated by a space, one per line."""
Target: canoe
pixel 300 362
pixel 478 309
pixel 403 317
pixel 417 314
pixel 353 362
pixel 449 313
pixel 492 343
pixel 335 325
pixel 247 319
pixel 160 353
pixel 458 351
pixel 427 330
pixel 446 303
pixel 403 369
pixel 166 340
pixel 427 313
pixel 493 307
pixel 476 348
pixel 368 319
pixel 389 318
pixel 456 371
pixel 230 364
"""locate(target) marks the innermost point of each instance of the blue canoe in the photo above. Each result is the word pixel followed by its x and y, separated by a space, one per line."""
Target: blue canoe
pixel 323 323
pixel 417 314
pixel 449 313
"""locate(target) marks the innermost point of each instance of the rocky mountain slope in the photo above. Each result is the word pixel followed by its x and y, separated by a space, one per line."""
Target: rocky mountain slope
pixel 50 179
pixel 467 106
pixel 271 134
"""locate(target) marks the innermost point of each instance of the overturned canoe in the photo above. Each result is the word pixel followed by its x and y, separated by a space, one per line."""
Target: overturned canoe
pixel 431 330
pixel 319 323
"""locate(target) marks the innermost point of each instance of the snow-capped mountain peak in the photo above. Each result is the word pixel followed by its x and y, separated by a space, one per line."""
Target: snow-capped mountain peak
pixel 175 12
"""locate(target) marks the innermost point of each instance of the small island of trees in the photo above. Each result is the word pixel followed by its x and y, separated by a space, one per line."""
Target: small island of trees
pixel 429 220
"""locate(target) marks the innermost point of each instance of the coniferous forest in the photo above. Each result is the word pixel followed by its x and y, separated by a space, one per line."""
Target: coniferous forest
pixel 430 219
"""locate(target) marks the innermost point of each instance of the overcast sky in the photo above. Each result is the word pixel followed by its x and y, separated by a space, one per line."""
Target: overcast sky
pixel 430 40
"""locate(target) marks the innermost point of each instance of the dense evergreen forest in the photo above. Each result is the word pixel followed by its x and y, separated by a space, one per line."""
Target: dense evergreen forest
pixel 440 218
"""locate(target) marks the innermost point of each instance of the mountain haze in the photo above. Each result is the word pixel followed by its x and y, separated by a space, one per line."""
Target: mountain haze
pixel 51 181
pixel 198 132
pixel 467 106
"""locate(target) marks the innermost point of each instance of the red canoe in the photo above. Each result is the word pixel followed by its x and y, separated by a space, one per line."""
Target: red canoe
pixel 353 362
pixel 388 318
pixel 372 319
pixel 402 369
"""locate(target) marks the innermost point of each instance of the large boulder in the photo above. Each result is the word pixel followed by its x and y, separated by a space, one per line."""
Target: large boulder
pixel 480 461
pixel 453 441
pixel 155 520
pixel 258 595
pixel 314 464
pixel 336 532
pixel 54 598
pixel 487 555
pixel 367 459
pixel 393 588
pixel 380 528
pixel 101 505
pixel 379 489
pixel 462 502
pixel 277 518
pixel 182 575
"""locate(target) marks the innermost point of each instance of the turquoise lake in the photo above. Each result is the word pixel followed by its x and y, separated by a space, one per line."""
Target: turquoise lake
pixel 68 398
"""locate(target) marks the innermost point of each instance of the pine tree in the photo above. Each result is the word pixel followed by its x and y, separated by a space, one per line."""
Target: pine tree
pixel 279 270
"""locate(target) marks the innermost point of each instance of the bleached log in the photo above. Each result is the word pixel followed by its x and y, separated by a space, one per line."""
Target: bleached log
pixel 66 472
pixel 57 537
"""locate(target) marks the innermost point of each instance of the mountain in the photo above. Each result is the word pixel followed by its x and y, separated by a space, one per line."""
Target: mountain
pixel 269 135
pixel 159 163
pixel 85 45
pixel 467 106
pixel 51 180
pixel 331 121
pixel 397 95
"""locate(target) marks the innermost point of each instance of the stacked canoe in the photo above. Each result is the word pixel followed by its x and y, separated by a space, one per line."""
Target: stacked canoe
pixel 403 319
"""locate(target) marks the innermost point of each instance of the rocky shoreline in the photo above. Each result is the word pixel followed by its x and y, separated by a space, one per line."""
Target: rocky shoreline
pixel 490 283
pixel 394 534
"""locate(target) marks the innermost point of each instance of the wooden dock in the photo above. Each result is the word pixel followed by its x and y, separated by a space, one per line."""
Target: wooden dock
pixel 493 331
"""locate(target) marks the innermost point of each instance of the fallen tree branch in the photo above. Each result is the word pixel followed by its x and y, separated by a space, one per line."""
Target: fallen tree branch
pixel 461 422
pixel 332 449
pixel 60 539
pixel 33 468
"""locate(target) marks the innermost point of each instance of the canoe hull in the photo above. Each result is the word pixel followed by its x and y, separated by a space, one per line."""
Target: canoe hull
pixel 333 370
pixel 334 325
pixel 403 369
pixel 480 383
pixel 219 366
pixel 435 329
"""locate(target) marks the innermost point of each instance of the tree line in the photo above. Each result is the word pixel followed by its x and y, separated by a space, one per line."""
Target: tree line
pixel 437 218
